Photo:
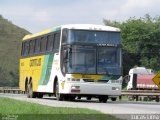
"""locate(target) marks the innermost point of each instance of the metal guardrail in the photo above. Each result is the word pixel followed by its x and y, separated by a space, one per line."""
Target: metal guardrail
pixel 141 94
pixel 13 90
pixel 141 91
pixel 135 94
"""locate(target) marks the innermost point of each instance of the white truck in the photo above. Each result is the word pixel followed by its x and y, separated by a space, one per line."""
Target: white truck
pixel 140 78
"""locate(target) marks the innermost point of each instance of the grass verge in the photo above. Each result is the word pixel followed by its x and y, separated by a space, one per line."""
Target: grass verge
pixel 19 110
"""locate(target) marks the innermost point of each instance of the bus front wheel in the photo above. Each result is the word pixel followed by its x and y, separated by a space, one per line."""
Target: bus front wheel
pixel 59 96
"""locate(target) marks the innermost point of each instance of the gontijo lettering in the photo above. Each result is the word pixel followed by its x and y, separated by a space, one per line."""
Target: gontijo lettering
pixel 35 62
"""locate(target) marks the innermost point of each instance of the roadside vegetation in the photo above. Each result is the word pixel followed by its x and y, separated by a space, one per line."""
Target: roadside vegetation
pixel 31 111
pixel 10 45
pixel 140 42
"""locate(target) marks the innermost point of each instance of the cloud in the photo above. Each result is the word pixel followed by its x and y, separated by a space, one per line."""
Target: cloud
pixel 36 15
pixel 137 8
pixel 42 16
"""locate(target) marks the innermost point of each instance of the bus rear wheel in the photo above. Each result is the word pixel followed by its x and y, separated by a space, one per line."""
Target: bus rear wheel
pixel 59 96
pixel 30 93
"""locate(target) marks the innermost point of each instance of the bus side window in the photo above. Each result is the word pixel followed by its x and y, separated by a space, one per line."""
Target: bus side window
pixel 26 48
pixel 49 43
pixel 31 47
pixel 56 42
pixel 43 44
pixel 22 49
pixel 37 46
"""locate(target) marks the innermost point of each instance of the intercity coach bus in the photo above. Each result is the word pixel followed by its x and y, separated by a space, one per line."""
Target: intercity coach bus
pixel 72 61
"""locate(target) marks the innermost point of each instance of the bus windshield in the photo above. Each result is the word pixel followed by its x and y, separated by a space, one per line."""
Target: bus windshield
pixel 101 37
pixel 94 60
pixel 82 60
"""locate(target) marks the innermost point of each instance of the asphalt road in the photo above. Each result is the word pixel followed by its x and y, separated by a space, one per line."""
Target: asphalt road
pixel 118 107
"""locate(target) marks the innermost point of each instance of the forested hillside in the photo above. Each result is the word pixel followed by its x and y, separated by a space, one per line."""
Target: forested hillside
pixel 10 44
pixel 141 42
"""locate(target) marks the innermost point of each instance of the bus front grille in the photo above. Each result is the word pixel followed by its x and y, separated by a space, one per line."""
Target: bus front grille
pixel 91 80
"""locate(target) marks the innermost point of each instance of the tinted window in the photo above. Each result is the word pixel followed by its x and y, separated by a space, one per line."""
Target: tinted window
pixel 103 37
pixel 31 47
pixel 56 41
pixel 43 44
pixel 50 39
pixel 26 48
pixel 22 50
pixel 37 46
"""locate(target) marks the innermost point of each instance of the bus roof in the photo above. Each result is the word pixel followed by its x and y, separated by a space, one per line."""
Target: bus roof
pixel 91 27
pixel 73 26
pixel 41 33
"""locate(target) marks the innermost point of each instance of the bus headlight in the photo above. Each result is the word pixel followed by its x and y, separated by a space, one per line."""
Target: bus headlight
pixel 115 88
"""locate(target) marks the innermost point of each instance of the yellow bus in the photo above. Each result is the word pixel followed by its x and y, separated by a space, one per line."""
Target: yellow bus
pixel 72 61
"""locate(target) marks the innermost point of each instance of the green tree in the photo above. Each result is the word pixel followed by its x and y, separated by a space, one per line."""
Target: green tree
pixel 140 41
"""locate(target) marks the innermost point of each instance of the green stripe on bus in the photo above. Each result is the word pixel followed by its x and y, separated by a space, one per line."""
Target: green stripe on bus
pixel 46 69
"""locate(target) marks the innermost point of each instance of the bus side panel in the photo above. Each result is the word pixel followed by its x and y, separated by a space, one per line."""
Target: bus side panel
pixel 31 68
pixel 46 69
pixel 50 70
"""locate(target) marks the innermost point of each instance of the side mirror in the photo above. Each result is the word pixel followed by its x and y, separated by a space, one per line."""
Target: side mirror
pixel 126 79
pixel 65 54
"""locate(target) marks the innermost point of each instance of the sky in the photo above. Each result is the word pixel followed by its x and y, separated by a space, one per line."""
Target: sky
pixel 37 15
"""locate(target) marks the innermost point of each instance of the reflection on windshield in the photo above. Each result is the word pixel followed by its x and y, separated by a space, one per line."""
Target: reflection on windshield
pixel 107 57
pixel 94 60
pixel 108 60
pixel 94 36
pixel 83 61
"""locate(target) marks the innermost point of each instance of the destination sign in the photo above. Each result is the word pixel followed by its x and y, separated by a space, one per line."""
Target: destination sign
pixel 112 45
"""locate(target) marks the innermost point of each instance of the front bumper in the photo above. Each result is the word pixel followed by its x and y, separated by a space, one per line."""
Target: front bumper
pixel 90 88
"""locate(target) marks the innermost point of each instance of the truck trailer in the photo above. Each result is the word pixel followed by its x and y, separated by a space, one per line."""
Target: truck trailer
pixel 140 78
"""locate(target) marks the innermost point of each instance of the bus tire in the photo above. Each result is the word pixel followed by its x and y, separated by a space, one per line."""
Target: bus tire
pixel 39 95
pixel 59 96
pixel 103 99
pixel 27 90
pixel 26 86
pixel 30 93
pixel 89 98
pixel 113 98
